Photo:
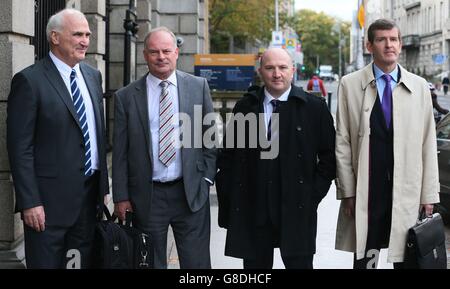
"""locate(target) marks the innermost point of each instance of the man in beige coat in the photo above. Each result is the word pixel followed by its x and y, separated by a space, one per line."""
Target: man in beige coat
pixel 385 151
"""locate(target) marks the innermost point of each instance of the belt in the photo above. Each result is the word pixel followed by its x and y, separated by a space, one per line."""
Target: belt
pixel 169 183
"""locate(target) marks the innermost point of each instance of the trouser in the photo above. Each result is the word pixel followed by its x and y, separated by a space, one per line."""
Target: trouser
pixel 65 247
pixel 191 230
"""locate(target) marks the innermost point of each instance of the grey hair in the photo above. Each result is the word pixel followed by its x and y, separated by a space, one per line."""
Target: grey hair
pixel 56 21
pixel 158 29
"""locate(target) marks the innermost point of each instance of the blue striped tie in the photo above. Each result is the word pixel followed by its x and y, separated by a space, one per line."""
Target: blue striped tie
pixel 81 112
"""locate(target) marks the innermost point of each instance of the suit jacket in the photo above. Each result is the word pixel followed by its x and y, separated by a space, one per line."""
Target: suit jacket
pixel 307 167
pixel 45 141
pixel 132 150
pixel 415 174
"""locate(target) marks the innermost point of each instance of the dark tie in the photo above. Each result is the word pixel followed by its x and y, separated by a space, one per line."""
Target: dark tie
pixel 166 129
pixel 275 104
pixel 387 99
pixel 82 118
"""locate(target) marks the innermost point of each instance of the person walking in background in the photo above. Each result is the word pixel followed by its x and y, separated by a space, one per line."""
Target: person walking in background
pixel 162 183
pixel 438 110
pixel 269 203
pixel 57 147
pixel 385 152
pixel 316 84
pixel 445 84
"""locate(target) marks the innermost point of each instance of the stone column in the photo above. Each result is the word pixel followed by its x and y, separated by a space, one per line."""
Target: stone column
pixel 183 17
pixel 144 16
pixel 95 12
pixel 17 53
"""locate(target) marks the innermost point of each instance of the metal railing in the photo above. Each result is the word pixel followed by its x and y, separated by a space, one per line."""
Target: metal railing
pixel 43 10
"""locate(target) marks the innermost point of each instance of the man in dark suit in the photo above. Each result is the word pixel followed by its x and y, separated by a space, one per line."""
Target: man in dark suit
pixel 56 145
pixel 162 183
pixel 269 202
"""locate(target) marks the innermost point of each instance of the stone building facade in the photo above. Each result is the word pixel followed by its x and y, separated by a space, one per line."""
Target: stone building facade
pixel 425 27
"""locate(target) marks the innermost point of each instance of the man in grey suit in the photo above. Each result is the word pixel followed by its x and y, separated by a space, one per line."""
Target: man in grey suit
pixel 162 183
pixel 56 145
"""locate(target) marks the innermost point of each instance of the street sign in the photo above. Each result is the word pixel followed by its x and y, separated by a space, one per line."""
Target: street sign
pixel 226 71
pixel 277 38
pixel 439 58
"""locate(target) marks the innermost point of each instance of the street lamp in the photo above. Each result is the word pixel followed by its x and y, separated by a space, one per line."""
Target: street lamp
pixel 131 28
pixel 276 16
pixel 337 28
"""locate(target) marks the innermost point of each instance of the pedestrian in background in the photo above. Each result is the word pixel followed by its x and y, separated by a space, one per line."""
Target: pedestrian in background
pixel 272 203
pixel 316 84
pixel 385 150
pixel 445 84
pixel 162 183
pixel 57 147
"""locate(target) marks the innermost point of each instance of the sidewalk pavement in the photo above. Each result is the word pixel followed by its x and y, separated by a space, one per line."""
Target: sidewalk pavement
pixel 326 256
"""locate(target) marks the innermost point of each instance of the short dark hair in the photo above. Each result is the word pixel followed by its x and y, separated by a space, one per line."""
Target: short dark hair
pixel 381 24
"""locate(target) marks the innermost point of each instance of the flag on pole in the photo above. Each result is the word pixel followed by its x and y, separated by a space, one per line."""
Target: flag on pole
pixel 361 13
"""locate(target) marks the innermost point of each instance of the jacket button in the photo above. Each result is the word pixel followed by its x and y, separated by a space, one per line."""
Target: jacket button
pixel 299 128
pixel 300 206
pixel 300 181
pixel 299 156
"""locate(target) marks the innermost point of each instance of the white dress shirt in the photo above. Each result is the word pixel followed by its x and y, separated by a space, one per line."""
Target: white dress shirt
pixel 174 171
pixel 381 83
pixel 65 71
pixel 268 108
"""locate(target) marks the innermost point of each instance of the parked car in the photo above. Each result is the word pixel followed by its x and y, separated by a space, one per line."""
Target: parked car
pixel 443 146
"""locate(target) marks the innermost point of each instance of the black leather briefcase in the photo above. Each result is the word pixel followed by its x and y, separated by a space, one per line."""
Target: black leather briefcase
pixel 425 245
pixel 120 245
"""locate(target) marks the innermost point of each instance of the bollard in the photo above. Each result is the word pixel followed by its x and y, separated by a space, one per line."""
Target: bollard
pixel 329 100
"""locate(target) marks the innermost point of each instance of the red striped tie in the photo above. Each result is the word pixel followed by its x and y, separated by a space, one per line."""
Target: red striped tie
pixel 166 128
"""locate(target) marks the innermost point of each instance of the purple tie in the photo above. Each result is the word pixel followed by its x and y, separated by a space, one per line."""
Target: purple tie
pixel 387 99
pixel 275 103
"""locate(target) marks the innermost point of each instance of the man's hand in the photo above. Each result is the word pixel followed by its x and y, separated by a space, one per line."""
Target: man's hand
pixel 121 208
pixel 349 206
pixel 35 218
pixel 428 209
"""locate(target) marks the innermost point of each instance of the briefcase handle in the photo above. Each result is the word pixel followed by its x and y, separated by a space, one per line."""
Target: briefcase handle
pixel 112 217
pixel 423 216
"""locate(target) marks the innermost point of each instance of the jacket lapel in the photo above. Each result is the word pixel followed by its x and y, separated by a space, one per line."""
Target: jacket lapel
pixel 55 80
pixel 183 88
pixel 140 97
pixel 89 79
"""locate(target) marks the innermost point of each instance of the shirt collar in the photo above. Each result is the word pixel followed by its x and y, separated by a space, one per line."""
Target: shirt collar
pixel 268 97
pixel 379 73
pixel 155 81
pixel 62 67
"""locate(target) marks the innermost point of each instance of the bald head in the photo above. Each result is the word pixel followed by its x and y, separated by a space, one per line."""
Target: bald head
pixel 276 71
pixel 279 53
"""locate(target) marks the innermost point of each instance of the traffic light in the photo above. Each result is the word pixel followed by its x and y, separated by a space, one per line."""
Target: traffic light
pixel 317 71
pixel 303 68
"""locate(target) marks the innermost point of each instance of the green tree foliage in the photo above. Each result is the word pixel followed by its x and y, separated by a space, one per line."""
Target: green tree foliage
pixel 239 21
pixel 319 40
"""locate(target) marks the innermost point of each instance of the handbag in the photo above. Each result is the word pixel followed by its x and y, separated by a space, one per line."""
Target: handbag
pixel 425 245
pixel 120 245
